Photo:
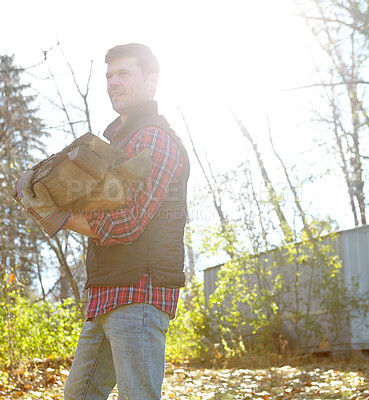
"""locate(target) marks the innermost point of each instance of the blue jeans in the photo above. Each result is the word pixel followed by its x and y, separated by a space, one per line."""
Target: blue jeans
pixel 126 347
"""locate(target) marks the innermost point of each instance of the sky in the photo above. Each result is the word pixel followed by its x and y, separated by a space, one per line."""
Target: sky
pixel 214 55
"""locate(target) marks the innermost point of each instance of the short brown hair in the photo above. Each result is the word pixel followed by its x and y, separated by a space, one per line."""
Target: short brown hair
pixel 144 57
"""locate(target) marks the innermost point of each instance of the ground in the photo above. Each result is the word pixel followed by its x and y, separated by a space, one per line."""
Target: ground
pixel 323 380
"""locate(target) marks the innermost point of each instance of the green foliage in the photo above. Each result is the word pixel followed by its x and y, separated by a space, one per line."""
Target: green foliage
pixel 245 303
pixel 35 330
pixel 293 295
pixel 188 333
pixel 222 238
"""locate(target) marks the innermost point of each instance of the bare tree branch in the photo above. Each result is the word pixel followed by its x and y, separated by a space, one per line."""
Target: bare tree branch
pixel 313 85
pixel 224 223
pixel 48 292
pixel 22 69
pixel 287 231
pixel 63 107
pixel 84 95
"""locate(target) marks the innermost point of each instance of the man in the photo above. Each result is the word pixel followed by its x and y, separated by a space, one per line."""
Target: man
pixel 135 255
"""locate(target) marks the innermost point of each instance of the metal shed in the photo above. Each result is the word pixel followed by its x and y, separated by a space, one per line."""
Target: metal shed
pixel 352 247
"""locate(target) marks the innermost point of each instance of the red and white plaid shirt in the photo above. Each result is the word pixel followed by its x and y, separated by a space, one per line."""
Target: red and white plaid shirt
pixel 125 225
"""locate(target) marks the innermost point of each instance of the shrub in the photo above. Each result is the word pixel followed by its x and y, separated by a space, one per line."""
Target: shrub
pixel 36 330
pixel 188 333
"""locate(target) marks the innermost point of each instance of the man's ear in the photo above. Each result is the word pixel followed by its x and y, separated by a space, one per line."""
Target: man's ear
pixel 153 81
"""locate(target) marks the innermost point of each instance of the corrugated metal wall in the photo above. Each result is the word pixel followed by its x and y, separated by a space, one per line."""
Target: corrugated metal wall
pixel 352 247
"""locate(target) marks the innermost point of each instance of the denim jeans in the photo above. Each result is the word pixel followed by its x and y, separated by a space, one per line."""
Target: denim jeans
pixel 126 347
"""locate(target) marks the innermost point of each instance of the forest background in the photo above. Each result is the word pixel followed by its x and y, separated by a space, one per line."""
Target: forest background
pixel 271 102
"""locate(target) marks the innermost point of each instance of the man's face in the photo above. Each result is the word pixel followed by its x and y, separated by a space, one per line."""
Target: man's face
pixel 127 86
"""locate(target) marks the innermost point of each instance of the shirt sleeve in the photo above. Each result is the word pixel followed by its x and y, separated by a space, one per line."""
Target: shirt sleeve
pixel 126 224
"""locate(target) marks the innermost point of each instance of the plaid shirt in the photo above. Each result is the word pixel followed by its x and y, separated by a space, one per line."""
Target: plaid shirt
pixel 125 225
pixel 105 298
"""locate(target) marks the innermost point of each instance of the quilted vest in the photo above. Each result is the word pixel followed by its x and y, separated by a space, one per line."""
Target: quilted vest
pixel 160 247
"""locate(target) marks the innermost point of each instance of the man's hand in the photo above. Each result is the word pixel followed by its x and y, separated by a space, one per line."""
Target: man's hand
pixel 39 204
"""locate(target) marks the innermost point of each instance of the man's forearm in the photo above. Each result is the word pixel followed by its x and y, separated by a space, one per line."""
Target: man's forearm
pixel 78 223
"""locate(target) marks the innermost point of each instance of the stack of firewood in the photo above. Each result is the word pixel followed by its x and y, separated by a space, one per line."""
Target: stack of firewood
pixel 90 174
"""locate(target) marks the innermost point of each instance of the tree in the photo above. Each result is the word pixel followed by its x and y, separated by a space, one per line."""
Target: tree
pixel 352 14
pixel 341 29
pixel 272 194
pixel 21 132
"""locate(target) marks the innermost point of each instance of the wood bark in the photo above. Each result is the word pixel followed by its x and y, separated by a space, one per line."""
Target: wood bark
pixel 90 174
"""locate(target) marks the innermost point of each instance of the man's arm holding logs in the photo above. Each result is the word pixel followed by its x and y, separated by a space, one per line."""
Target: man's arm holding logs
pixel 78 223
pixel 127 223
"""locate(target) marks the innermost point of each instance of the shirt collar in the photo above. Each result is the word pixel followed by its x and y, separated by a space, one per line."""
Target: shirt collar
pixel 141 110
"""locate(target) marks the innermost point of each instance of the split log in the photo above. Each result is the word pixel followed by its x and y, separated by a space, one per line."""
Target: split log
pixel 90 174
